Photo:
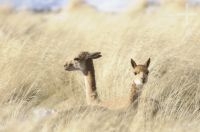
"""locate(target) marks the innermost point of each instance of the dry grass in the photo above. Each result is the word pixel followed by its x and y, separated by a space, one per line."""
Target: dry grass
pixel 33 50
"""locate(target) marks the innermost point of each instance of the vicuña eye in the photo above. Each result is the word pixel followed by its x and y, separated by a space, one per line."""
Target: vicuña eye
pixel 76 59
pixel 135 73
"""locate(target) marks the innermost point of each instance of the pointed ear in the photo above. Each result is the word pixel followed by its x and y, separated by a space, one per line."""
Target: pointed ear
pixel 94 55
pixel 133 63
pixel 147 62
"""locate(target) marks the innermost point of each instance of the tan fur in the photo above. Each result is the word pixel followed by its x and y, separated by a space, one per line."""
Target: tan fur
pixel 134 94
pixel 84 63
pixel 91 93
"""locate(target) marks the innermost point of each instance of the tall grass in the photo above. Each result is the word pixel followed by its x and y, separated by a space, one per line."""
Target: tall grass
pixel 34 48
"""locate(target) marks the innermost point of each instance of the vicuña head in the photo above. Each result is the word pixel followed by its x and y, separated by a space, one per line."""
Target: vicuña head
pixel 84 63
pixel 140 72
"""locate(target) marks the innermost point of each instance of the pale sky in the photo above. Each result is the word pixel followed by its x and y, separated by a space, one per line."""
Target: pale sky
pixel 103 5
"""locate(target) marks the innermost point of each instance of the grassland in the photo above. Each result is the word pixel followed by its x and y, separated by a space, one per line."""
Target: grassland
pixel 34 48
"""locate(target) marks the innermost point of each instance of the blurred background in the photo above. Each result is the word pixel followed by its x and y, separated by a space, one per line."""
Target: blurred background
pixel 101 5
pixel 37 37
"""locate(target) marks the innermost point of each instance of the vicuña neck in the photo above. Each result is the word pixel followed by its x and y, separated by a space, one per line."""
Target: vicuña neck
pixel 90 83
pixel 134 93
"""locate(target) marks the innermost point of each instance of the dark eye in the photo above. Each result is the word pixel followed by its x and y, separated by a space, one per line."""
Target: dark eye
pixel 135 73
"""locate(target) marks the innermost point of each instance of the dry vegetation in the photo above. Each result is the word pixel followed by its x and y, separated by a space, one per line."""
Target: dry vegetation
pixel 33 50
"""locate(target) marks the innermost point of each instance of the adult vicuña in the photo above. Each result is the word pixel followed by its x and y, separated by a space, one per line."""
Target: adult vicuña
pixel 84 63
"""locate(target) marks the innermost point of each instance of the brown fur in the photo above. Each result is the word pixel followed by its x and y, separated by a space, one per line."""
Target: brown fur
pixel 90 81
pixel 84 63
pixel 134 94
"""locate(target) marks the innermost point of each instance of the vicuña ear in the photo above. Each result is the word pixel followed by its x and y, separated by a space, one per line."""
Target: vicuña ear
pixel 148 62
pixel 133 63
pixel 94 55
